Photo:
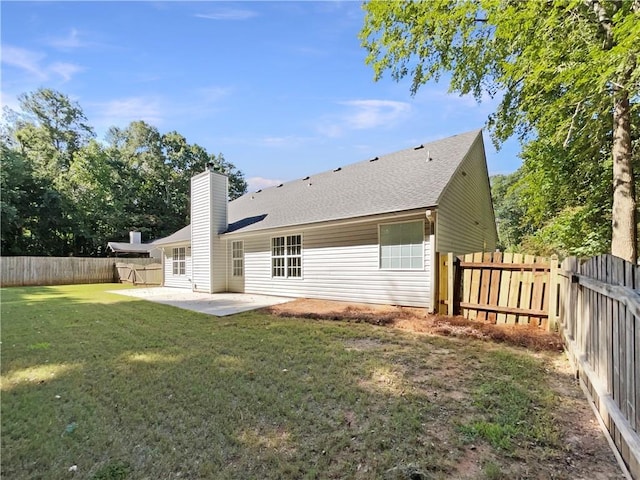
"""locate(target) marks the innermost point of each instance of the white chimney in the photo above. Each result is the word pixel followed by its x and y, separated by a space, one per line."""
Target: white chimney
pixel 135 237
pixel 209 198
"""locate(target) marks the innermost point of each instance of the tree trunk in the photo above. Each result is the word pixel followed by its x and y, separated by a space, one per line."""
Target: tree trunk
pixel 623 238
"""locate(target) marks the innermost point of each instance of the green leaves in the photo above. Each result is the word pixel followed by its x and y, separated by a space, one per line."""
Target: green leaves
pixel 65 193
pixel 557 65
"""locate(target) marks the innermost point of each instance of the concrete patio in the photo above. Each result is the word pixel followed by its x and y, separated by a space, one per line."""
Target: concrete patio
pixel 218 304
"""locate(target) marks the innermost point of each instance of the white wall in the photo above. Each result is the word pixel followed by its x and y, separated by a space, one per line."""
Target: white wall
pixel 340 262
pixel 209 191
pixel 465 219
pixel 178 281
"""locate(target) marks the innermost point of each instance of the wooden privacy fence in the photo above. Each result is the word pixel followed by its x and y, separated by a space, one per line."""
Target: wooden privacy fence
pixel 595 304
pixel 24 271
pixel 599 311
pixel 500 288
pixel 150 274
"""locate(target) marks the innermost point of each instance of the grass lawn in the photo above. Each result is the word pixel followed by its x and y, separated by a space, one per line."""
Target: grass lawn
pixel 122 388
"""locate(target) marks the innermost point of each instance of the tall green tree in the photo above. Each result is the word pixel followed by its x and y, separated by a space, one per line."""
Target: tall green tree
pixel 64 193
pixel 566 71
pixel 47 134
pixel 156 176
pixel 51 130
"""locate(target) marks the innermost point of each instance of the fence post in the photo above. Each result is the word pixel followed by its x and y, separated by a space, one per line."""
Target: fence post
pixel 554 285
pixel 451 275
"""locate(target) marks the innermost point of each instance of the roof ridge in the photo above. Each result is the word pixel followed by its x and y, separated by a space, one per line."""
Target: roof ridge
pixel 377 157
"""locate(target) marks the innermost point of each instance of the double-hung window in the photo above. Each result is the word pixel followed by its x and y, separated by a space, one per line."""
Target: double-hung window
pixel 179 261
pixel 402 246
pixel 286 256
pixel 237 258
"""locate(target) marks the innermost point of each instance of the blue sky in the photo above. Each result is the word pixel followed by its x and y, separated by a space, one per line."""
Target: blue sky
pixel 280 88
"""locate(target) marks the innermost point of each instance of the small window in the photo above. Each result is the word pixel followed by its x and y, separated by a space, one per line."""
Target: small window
pixel 179 261
pixel 286 256
pixel 402 246
pixel 237 258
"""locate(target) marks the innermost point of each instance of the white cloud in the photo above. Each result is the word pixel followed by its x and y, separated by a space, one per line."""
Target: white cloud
pixel 24 59
pixel 331 130
pixel 120 112
pixel 258 183
pixel 374 113
pixel 213 93
pixel 228 14
pixel 34 64
pixel 364 115
pixel 285 141
pixel 65 70
pixel 72 40
pixel 450 104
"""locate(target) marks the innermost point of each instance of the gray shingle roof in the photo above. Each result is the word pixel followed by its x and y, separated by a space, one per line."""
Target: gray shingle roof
pixel 181 236
pixel 399 181
pixel 126 247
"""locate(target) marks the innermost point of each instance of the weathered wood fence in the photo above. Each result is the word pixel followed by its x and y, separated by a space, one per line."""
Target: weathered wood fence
pixel 24 271
pixel 500 288
pixel 595 304
pixel 150 274
pixel 599 311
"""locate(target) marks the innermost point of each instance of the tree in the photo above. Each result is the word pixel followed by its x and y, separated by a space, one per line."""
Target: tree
pixel 567 72
pixel 65 193
pixel 156 176
pixel 51 130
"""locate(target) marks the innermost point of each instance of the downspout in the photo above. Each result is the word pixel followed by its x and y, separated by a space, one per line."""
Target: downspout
pixel 432 219
pixel 162 258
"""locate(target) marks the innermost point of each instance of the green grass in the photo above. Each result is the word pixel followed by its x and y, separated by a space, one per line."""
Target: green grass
pixel 128 389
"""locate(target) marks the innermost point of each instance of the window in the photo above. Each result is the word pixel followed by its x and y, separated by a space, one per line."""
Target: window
pixel 401 246
pixel 179 262
pixel 237 258
pixel 286 256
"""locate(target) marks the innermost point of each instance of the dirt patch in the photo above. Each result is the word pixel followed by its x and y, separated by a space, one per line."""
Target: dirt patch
pixel 419 321
pixel 585 453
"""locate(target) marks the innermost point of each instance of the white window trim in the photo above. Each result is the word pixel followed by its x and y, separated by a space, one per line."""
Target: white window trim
pixel 177 262
pixel 422 268
pixel 286 256
pixel 235 259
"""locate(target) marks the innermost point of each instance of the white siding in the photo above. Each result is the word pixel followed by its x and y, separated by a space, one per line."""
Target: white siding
pixel 209 192
pixel 339 263
pixel 465 221
pixel 178 281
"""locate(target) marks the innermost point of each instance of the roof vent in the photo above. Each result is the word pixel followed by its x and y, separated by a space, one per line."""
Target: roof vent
pixel 338 169
pixel 373 159
pixel 305 178
pixel 280 185
pixel 418 147
pixel 259 191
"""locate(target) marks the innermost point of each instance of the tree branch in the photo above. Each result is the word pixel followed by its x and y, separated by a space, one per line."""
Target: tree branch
pixel 573 118
pixel 604 21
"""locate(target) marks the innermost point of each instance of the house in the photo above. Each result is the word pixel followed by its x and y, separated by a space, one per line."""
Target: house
pixel 367 232
pixel 134 249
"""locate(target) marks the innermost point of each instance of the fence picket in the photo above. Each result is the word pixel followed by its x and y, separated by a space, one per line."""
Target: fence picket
pixel 485 285
pixel 25 271
pixel 494 288
pixel 474 294
pixel 505 280
pixel 466 282
pixel 514 289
